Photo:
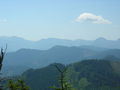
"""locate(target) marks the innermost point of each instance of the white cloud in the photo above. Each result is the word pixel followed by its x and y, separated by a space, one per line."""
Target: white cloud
pixel 93 18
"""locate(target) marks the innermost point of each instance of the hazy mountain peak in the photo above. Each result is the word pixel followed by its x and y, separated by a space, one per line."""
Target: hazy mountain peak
pixel 51 39
pixel 14 43
pixel 10 37
pixel 17 37
pixel 101 39
pixel 59 47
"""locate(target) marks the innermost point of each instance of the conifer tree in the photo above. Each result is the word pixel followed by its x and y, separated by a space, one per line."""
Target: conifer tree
pixel 64 84
pixel 17 85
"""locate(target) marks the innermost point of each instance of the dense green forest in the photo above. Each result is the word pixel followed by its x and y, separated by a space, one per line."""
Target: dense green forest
pixel 84 75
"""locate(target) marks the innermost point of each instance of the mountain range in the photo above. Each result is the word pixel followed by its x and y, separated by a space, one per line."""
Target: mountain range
pixel 16 43
pixel 36 54
pixel 31 58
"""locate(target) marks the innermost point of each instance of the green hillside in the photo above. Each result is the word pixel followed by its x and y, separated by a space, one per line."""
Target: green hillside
pixel 84 75
pixel 42 79
pixel 95 74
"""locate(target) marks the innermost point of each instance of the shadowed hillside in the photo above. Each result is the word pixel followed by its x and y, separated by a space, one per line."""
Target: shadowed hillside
pixel 59 54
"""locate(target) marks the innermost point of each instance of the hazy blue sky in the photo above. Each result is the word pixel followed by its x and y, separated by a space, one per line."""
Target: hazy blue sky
pixel 68 19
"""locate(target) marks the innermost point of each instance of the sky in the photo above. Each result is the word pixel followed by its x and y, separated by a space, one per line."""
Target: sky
pixel 65 19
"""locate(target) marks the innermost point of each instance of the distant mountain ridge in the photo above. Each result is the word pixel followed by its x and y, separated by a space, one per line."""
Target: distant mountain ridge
pixel 16 43
pixel 43 52
pixel 59 54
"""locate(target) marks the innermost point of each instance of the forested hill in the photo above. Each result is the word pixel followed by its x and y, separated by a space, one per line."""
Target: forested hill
pixel 42 79
pixel 85 75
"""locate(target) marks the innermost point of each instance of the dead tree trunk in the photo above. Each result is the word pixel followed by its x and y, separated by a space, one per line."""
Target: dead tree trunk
pixel 2 54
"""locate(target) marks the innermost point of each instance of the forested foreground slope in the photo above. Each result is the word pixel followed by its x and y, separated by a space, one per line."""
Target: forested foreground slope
pixel 84 75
